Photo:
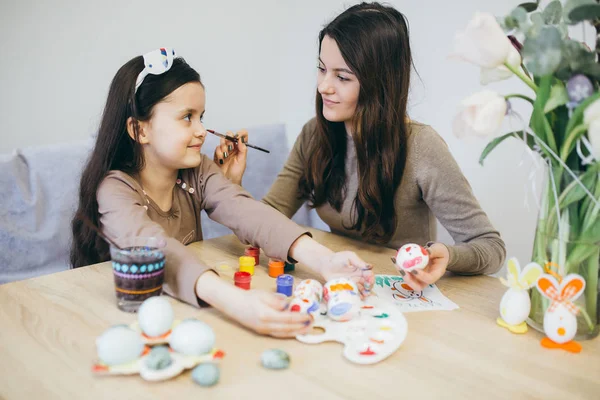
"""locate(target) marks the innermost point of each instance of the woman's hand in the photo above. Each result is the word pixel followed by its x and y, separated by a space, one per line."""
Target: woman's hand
pixel 419 279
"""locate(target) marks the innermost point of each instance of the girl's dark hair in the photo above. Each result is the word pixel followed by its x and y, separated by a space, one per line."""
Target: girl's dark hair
pixel 115 149
pixel 374 42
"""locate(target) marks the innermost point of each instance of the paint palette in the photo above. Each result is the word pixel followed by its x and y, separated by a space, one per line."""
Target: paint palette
pixel 179 363
pixel 375 334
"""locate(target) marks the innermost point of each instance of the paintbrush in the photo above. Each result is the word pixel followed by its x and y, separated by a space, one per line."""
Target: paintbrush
pixel 235 140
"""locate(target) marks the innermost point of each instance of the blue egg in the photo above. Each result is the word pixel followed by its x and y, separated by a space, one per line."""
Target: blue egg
pixel 206 374
pixel 275 359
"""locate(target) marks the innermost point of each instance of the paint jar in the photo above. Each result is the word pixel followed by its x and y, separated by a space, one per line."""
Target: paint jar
pixel 253 252
pixel 285 284
pixel 247 264
pixel 242 280
pixel 275 268
pixel 289 267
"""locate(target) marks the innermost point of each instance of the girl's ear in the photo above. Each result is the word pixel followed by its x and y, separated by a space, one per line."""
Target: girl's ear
pixel 131 124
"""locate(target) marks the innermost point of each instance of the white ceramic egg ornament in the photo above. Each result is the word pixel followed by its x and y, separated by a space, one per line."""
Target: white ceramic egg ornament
pixel 119 344
pixel 155 316
pixel 411 256
pixel 560 322
pixel 515 304
pixel 192 338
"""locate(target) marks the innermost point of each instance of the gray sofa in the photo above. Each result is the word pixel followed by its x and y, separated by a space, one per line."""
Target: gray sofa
pixel 39 189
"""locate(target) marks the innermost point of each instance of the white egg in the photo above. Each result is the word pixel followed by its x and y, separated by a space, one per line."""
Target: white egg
pixel 343 306
pixel 192 337
pixel 515 306
pixel 338 285
pixel 560 325
pixel 155 316
pixel 119 345
pixel 411 256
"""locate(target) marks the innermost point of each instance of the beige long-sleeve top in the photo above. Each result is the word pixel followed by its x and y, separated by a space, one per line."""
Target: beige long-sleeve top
pixel 432 186
pixel 126 211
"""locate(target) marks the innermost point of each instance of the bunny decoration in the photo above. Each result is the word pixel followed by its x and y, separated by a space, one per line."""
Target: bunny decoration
pixel 515 304
pixel 560 323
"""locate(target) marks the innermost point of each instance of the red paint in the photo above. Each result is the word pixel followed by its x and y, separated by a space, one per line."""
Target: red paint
pixel 219 354
pixel 242 280
pixel 367 352
pixel 295 308
pixel 424 251
pixel 99 368
pixel 253 252
pixel 367 307
pixel 408 249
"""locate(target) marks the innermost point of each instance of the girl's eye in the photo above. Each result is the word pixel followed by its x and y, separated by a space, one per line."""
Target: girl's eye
pixel 188 117
pixel 343 79
pixel 321 69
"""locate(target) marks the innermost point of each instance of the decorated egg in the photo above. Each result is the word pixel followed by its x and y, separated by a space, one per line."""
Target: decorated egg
pixel 560 325
pixel 192 337
pixel 339 285
pixel 159 358
pixel 411 256
pixel 343 306
pixel 515 306
pixel 206 374
pixel 155 316
pixel 304 305
pixel 309 288
pixel 119 344
pixel 275 359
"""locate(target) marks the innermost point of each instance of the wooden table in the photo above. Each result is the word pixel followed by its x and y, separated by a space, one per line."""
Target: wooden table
pixel 49 326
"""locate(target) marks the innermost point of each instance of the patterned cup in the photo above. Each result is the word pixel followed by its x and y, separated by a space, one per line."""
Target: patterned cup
pixel 138 270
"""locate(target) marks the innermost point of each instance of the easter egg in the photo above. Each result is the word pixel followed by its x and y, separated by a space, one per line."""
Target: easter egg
pixel 155 316
pixel 206 374
pixel 343 306
pixel 158 358
pixel 411 256
pixel 275 359
pixel 560 325
pixel 515 306
pixel 119 345
pixel 192 337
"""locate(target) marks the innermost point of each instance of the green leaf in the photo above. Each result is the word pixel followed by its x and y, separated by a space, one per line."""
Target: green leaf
pixel 542 51
pixel 570 5
pixel 529 7
pixel 552 13
pixel 574 192
pixel 558 97
pixel 585 12
pixel 537 18
pixel 538 120
pixel 494 143
pixel 519 14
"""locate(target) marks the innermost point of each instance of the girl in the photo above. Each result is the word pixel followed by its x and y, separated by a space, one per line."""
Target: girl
pixel 147 177
pixel 371 172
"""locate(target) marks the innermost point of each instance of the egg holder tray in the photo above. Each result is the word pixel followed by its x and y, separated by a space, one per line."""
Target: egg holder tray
pixel 372 336
pixel 179 362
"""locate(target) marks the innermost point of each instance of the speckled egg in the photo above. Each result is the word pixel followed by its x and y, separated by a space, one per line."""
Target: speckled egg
pixel 275 359
pixel 192 337
pixel 411 256
pixel 158 358
pixel 155 316
pixel 206 374
pixel 119 344
pixel 308 288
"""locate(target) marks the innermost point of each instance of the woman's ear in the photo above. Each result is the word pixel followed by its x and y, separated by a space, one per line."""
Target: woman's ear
pixel 142 138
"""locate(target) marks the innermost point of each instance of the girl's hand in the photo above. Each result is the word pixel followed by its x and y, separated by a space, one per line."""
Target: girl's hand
pixel 263 312
pixel 231 157
pixel 419 279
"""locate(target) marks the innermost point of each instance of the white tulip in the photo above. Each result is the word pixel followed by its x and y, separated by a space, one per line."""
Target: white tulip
pixel 481 114
pixel 591 112
pixel 500 73
pixel 591 117
pixel 483 42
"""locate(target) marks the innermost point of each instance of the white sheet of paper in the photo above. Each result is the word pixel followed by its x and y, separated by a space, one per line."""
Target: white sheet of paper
pixel 392 288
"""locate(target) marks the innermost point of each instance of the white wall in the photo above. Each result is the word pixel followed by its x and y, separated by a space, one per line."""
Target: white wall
pixel 257 60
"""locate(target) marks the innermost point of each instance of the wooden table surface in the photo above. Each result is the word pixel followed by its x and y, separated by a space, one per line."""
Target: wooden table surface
pixel 49 326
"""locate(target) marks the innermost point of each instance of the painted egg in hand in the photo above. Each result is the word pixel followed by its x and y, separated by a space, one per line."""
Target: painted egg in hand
pixel 411 256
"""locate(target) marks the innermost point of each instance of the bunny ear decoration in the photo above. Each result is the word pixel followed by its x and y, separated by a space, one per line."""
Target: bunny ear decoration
pixel 548 286
pixel 572 287
pixel 530 275
pixel 513 270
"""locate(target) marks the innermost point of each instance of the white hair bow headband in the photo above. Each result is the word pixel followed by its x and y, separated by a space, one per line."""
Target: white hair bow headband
pixel 156 62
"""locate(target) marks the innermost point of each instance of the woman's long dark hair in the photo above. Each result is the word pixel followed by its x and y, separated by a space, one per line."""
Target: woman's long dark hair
pixel 115 149
pixel 374 42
